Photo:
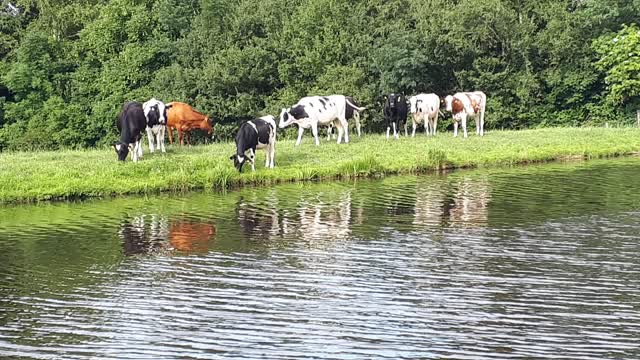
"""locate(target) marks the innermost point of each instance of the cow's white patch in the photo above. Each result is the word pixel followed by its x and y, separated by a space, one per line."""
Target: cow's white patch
pixel 253 125
pixel 118 147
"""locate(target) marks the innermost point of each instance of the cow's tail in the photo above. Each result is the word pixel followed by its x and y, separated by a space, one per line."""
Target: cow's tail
pixel 354 106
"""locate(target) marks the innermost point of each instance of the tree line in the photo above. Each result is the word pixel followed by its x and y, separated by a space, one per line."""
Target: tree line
pixel 67 67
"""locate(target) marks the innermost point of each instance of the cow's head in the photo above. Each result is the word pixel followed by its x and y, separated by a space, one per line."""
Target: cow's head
pixel 285 118
pixel 207 125
pixel 121 149
pixel 413 102
pixel 393 100
pixel 447 103
pixel 238 161
pixel 153 115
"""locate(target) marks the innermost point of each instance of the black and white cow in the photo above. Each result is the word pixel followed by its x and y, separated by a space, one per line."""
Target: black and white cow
pixel 155 112
pixel 131 122
pixel 396 109
pixel 311 111
pixel 255 134
pixel 351 112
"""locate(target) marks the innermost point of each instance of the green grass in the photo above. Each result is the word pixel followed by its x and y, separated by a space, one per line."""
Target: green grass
pixel 68 174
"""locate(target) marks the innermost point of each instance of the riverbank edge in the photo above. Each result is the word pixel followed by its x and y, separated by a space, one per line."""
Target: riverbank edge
pixel 223 177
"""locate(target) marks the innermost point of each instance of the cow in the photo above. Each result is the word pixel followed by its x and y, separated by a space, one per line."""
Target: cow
pixel 395 113
pixel 311 111
pixel 255 134
pixel 424 110
pixel 156 114
pixel 465 104
pixel 184 119
pixel 131 122
pixel 350 113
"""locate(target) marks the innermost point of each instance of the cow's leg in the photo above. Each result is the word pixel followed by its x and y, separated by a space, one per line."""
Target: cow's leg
pixel 133 151
pixel 477 119
pixel 300 131
pixel 139 143
pixel 395 133
pixel 314 131
pixel 252 158
pixel 388 129
pixel 455 128
pixel 435 124
pixel 482 121
pixel 160 139
pixel 464 124
pixel 413 134
pixel 162 131
pixel 180 136
pixel 272 149
pixel 150 138
pixel 170 134
pixel 345 127
pixel 357 118
pixel 406 133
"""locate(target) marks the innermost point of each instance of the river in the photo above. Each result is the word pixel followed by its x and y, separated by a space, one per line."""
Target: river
pixel 529 262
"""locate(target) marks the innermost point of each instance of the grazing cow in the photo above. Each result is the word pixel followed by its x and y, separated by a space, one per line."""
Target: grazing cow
pixel 184 118
pixel 350 113
pixel 464 104
pixel 311 111
pixel 424 109
pixel 395 113
pixel 255 134
pixel 156 113
pixel 131 123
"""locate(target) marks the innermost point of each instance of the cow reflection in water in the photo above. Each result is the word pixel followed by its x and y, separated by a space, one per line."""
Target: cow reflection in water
pixel 470 204
pixel 308 220
pixel 155 233
pixel 458 202
pixel 191 236
pixel 325 221
pixel 144 234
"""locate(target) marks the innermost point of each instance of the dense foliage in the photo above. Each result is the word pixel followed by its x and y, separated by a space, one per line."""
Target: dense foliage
pixel 66 67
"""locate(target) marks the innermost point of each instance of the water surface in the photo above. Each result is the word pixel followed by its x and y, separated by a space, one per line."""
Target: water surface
pixel 533 262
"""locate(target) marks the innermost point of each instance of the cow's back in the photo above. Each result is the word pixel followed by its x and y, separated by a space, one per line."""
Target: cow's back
pixel 179 113
pixel 131 122
pixel 324 108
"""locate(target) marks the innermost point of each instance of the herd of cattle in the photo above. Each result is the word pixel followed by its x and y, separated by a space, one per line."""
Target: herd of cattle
pixel 332 111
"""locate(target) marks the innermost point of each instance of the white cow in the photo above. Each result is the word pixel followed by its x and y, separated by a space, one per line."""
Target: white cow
pixel 311 111
pixel 424 109
pixel 156 114
pixel 464 104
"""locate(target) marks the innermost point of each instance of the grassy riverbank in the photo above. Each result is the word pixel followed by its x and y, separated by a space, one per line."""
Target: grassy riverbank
pixel 69 174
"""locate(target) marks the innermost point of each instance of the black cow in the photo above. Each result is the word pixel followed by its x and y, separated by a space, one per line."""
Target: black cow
pixel 396 109
pixel 255 134
pixel 131 123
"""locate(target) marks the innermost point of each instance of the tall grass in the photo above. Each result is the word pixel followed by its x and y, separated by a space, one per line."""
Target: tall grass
pixel 36 176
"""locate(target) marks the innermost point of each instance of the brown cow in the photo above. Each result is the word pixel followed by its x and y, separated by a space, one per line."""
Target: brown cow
pixel 184 118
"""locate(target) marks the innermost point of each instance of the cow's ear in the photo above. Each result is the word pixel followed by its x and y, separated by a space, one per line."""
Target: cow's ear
pixel 231 157
pixel 168 106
